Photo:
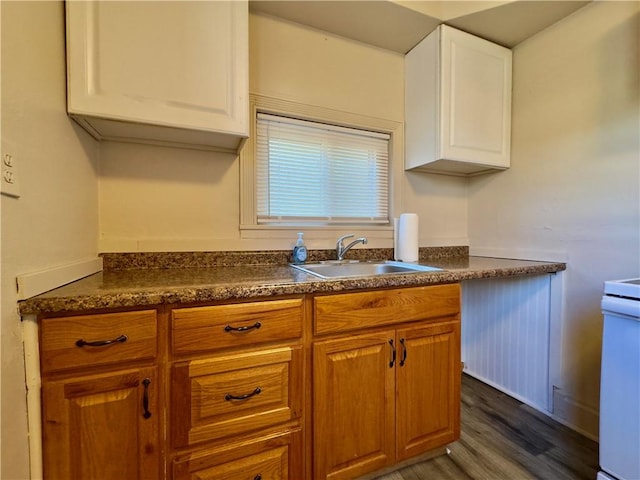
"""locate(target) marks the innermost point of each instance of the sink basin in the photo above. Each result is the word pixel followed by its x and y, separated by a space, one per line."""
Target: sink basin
pixel 335 269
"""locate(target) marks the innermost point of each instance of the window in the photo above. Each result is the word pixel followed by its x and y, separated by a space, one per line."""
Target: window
pixel 310 173
pixel 263 221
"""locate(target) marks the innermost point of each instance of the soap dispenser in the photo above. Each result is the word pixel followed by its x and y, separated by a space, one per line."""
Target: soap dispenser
pixel 299 251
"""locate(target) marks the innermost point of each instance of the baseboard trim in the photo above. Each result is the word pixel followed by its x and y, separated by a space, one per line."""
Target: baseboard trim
pixel 503 389
pixel 567 411
pixel 575 415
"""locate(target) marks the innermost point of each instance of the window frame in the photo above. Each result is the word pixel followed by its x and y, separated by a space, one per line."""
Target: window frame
pixel 249 226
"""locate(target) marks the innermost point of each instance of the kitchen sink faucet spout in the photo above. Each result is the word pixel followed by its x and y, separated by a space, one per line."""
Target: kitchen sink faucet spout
pixel 341 250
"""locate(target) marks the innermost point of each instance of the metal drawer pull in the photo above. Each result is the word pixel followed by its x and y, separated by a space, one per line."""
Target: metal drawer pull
pixel 404 352
pixel 101 343
pixel 229 397
pixel 145 398
pixel 258 477
pixel 229 328
pixel 393 354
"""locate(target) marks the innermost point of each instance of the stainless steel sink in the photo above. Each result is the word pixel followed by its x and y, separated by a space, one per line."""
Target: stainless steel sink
pixel 342 269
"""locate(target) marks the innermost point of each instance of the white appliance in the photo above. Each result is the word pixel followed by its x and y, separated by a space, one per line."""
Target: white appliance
pixel 620 382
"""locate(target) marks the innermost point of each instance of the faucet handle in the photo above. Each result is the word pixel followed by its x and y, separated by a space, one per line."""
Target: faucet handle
pixel 349 235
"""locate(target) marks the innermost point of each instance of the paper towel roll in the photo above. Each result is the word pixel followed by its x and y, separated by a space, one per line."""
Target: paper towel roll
pixel 407 238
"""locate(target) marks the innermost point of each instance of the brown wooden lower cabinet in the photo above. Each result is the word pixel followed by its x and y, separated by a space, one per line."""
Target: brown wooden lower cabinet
pixel 388 394
pixel 328 386
pixel 101 390
pixel 103 426
pixel 236 391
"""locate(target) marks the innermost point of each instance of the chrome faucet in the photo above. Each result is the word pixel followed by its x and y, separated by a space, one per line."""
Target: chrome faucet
pixel 341 250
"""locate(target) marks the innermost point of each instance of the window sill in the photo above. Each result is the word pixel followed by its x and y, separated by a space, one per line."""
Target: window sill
pixel 315 233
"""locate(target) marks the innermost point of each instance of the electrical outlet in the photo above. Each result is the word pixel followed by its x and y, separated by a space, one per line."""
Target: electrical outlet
pixel 10 181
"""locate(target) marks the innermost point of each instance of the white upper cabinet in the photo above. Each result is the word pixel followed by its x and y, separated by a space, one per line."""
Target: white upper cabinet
pixel 457 104
pixel 165 72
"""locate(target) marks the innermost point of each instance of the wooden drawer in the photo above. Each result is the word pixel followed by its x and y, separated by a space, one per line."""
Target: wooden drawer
pixel 353 311
pixel 92 340
pixel 201 329
pixel 273 457
pixel 233 394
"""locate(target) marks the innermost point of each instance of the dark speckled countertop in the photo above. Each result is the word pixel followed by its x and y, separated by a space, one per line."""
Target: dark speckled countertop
pixel 131 280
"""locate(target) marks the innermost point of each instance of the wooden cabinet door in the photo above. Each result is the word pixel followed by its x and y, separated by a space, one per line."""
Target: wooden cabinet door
pixel 103 426
pixel 428 385
pixel 353 415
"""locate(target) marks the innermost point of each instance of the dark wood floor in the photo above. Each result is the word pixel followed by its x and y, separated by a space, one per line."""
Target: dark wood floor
pixel 502 439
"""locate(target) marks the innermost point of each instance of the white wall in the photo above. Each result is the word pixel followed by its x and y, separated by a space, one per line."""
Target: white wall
pixel 54 222
pixel 154 198
pixel 573 192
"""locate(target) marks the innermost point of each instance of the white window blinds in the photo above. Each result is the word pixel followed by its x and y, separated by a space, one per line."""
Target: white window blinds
pixel 312 173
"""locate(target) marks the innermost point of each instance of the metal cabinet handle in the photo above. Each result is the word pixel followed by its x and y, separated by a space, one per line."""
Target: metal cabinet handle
pixel 393 354
pixel 145 398
pixel 229 397
pixel 229 328
pixel 258 477
pixel 404 352
pixel 101 343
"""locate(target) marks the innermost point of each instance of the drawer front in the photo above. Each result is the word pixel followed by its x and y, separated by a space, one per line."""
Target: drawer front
pixel 353 311
pixel 201 329
pixel 273 457
pixel 234 394
pixel 92 340
pixel 269 465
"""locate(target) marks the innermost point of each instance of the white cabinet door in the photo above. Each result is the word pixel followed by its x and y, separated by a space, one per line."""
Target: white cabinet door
pixel 458 104
pixel 162 72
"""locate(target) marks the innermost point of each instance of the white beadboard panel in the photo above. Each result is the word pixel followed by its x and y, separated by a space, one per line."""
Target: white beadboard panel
pixel 506 333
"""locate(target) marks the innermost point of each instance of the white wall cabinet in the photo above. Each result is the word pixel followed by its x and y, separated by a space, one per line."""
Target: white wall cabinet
pixel 160 72
pixel 457 104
